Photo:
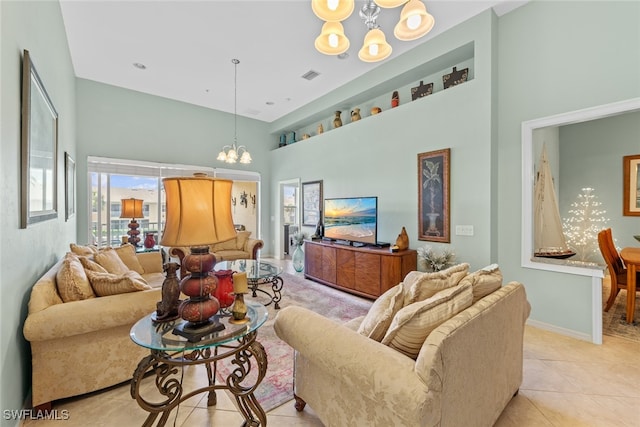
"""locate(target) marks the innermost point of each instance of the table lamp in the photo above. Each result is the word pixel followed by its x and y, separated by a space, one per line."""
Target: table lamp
pixel 198 215
pixel 132 208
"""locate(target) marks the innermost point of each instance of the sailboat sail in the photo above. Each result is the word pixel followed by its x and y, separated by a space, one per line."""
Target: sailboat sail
pixel 548 239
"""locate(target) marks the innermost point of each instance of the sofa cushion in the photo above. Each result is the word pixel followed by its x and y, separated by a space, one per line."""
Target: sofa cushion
pixel 484 281
pixel 420 286
pixel 109 259
pixel 83 250
pixel 89 264
pixel 226 245
pixel 72 281
pixel 413 323
pixel 127 254
pixel 380 315
pixel 241 239
pixel 105 284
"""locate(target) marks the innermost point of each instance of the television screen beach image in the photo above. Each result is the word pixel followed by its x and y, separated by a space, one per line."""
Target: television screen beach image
pixel 353 219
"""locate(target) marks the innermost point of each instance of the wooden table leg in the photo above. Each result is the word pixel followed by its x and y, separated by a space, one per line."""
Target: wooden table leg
pixel 631 291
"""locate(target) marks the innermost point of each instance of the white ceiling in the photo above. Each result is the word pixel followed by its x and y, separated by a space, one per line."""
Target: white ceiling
pixel 187 48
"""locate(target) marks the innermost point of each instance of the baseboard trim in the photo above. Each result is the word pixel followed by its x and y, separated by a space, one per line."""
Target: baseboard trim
pixel 561 331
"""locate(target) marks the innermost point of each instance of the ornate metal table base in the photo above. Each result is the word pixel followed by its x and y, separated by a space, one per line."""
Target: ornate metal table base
pixel 276 286
pixel 167 367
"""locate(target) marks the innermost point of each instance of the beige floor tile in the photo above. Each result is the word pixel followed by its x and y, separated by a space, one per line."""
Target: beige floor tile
pixel 200 417
pixel 543 376
pixel 520 412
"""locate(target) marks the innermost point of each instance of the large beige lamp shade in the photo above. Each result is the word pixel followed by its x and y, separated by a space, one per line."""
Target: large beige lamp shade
pixel 198 211
pixel 198 214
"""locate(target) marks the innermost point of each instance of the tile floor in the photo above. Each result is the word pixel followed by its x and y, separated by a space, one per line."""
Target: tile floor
pixel 567 383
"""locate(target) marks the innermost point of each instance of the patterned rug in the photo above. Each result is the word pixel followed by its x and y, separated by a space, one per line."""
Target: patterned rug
pixel 277 386
pixel 614 321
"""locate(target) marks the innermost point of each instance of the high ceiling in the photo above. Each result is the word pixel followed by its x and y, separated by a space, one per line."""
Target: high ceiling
pixel 187 48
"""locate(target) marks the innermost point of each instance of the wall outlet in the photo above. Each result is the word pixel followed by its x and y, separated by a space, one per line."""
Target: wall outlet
pixel 464 230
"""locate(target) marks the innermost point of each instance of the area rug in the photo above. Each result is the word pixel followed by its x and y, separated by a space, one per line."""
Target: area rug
pixel 277 386
pixel 614 321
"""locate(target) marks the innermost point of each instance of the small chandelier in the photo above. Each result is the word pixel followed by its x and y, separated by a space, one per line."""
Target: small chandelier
pixel 414 23
pixel 230 153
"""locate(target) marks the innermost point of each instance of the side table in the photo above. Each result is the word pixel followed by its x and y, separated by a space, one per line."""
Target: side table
pixel 170 353
pixel 258 273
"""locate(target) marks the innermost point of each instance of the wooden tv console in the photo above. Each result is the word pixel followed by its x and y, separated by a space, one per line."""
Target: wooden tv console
pixel 364 271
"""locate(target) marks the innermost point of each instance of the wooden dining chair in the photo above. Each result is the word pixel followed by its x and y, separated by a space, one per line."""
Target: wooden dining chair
pixel 617 270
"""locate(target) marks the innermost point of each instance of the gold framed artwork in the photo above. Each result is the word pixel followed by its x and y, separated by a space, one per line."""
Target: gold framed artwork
pixel 631 185
pixel 433 196
pixel 39 166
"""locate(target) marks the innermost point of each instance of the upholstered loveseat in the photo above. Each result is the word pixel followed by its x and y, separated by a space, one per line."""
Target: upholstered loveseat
pixel 371 372
pixel 80 340
pixel 242 246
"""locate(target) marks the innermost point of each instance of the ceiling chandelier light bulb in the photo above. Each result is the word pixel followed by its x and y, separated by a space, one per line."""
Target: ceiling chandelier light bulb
pixel 388 4
pixel 332 10
pixel 332 40
pixel 245 158
pixel 381 51
pixel 415 21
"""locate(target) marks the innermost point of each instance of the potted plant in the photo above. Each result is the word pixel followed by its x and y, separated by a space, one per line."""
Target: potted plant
pixel 430 260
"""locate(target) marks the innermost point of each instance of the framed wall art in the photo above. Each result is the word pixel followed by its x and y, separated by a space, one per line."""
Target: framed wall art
pixel 69 186
pixel 311 202
pixel 433 196
pixel 39 169
pixel 631 185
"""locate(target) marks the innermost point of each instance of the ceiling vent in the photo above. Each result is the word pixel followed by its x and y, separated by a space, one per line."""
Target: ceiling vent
pixel 310 75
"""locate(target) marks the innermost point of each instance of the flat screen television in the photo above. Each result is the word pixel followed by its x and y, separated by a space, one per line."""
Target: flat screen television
pixel 353 219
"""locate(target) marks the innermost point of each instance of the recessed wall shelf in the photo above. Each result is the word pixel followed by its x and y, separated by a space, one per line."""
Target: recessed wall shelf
pixel 380 95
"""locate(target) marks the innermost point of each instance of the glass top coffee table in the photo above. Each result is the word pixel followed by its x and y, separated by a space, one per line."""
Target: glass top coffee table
pixel 169 353
pixel 259 273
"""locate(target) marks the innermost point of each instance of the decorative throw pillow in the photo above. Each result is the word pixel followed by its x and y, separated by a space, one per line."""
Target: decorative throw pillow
pixel 83 250
pixel 71 280
pixel 420 286
pixel 109 259
pixel 241 239
pixel 127 254
pixel 226 245
pixel 105 284
pixel 380 315
pixel 484 281
pixel 413 323
pixel 89 264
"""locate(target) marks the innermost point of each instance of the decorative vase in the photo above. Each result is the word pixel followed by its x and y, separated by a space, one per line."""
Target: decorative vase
pixel 224 290
pixel 395 99
pixel 337 121
pixel 298 259
pixel 149 240
pixel 320 129
pixel 402 242
pixel 355 115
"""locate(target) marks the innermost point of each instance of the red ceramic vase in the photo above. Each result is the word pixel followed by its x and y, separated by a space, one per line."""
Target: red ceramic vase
pixel 224 290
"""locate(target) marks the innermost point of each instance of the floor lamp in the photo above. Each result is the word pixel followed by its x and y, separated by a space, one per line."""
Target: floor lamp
pixel 198 215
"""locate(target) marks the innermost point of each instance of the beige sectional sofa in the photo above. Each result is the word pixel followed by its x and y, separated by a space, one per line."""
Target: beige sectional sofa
pixel 381 370
pixel 83 345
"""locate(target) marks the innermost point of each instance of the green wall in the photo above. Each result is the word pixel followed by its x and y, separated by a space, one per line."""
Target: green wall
pixel 120 123
pixel 25 254
pixel 591 156
pixel 556 57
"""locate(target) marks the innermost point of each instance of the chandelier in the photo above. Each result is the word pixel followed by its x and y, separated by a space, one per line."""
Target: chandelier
pixel 231 153
pixel 414 23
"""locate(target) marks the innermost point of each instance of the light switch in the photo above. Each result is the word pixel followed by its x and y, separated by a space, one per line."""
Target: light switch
pixel 464 230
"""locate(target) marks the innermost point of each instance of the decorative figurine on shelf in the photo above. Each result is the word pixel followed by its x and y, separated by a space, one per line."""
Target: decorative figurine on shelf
pixel 402 242
pixel 337 121
pixel 320 128
pixel 375 110
pixel 283 140
pixel 292 138
pixel 149 240
pixel 306 136
pixel 243 199
pixel 167 308
pixel 421 90
pixel 395 99
pixel 355 115
pixel 319 229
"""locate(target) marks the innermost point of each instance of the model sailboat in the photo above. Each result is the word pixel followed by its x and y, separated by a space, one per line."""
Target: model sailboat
pixel 548 238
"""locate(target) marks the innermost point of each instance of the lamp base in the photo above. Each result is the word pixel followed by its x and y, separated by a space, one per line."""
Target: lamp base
pixel 194 332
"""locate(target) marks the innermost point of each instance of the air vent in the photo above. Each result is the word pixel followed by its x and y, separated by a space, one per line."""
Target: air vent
pixel 310 75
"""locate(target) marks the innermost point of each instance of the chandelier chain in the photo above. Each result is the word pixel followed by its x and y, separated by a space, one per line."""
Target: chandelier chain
pixel 235 100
